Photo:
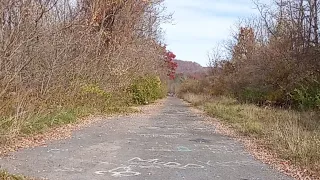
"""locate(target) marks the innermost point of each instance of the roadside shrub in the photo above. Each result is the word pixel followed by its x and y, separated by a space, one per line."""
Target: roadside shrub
pixel 194 86
pixel 251 95
pixel 144 90
pixel 307 97
pixel 94 91
pixel 189 86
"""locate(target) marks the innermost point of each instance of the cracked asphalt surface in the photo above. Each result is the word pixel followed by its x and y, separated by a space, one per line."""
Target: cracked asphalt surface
pixel 173 143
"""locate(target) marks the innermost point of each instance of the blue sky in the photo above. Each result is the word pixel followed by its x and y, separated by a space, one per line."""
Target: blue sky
pixel 199 25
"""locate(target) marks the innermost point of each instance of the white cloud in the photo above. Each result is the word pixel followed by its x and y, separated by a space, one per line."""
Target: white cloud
pixel 200 24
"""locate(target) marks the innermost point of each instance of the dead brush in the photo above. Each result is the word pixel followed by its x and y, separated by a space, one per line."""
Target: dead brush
pixel 48 49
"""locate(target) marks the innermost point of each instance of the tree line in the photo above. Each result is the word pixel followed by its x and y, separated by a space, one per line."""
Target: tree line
pixel 273 59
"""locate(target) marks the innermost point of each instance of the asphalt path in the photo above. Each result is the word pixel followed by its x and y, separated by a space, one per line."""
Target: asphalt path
pixel 171 144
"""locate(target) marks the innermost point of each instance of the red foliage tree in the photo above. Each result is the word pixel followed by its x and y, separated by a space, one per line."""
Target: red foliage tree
pixel 172 66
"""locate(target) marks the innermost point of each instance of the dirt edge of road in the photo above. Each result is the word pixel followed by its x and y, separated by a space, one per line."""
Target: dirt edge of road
pixel 65 132
pixel 256 148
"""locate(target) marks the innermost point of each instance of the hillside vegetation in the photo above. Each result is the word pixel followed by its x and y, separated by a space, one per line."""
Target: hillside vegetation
pixel 266 83
pixel 188 67
pixel 61 59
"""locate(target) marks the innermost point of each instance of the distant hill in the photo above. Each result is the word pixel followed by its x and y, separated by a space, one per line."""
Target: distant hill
pixel 189 67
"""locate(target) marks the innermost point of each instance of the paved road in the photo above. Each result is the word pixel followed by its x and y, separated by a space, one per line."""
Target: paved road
pixel 172 144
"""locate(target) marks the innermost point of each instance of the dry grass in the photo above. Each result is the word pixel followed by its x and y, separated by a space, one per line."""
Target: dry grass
pixel 6 176
pixel 292 135
pixel 195 99
pixel 11 129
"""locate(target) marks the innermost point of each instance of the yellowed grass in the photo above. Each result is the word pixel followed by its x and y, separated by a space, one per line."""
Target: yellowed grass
pixel 45 118
pixel 293 135
pixel 196 99
pixel 6 176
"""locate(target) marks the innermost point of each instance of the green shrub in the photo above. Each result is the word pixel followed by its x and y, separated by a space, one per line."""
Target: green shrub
pixel 307 97
pixel 93 95
pixel 146 89
pixel 252 95
pixel 94 90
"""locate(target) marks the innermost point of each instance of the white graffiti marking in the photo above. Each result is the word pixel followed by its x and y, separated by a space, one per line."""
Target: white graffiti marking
pixel 101 172
pixel 183 149
pixel 162 149
pixel 172 164
pixel 123 172
pixel 139 163
pixel 193 166
pixel 69 170
pixel 155 163
pixel 173 136
pixel 53 150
